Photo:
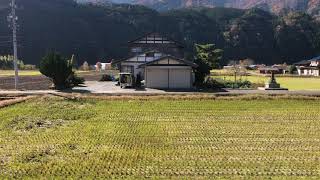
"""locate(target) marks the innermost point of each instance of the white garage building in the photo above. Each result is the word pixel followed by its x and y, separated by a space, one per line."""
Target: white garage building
pixel 169 73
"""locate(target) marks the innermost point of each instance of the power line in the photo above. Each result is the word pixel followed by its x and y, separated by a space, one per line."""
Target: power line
pixel 10 46
pixel 6 44
pixel 2 42
pixel 5 36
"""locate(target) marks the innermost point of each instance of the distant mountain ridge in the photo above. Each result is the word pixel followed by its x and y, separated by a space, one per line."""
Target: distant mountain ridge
pixel 99 33
pixel 275 6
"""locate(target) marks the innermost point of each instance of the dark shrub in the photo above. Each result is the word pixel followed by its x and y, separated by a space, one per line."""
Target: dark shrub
pixel 292 69
pixel 244 84
pixel 216 83
pixel 138 81
pixel 212 83
pixel 74 80
pixel 57 68
pixel 106 77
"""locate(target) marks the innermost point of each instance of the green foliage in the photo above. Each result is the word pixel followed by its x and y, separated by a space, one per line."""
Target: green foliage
pixel 106 77
pixel 209 55
pixel 28 67
pixel 290 82
pixel 74 80
pixel 292 69
pixel 201 72
pixel 297 36
pixel 138 81
pixel 251 36
pixel 217 83
pixel 6 62
pixel 57 68
pixel 207 58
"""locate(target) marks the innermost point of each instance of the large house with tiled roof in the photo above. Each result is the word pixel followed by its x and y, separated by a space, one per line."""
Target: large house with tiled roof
pixel 159 61
pixel 309 67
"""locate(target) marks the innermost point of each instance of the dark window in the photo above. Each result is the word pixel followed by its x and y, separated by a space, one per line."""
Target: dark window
pixel 127 69
pixel 150 54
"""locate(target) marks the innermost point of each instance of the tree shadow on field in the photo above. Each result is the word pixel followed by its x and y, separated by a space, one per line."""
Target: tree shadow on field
pixel 70 90
pixel 140 89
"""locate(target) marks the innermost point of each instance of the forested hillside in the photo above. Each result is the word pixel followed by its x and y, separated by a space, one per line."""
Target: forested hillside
pixel 93 33
pixel 275 6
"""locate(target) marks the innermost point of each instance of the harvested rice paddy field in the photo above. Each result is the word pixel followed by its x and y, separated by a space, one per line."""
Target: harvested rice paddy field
pixel 238 138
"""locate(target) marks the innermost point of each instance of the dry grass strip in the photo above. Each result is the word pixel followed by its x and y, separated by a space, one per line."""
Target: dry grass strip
pixel 14 100
pixel 74 96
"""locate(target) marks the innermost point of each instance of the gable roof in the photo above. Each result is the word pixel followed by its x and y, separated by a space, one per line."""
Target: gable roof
pixel 269 69
pixel 155 34
pixel 304 62
pixel 189 63
pixel 315 59
pixel 308 62
pixel 124 59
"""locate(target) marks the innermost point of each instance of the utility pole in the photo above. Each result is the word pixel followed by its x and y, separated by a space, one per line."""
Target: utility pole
pixel 13 18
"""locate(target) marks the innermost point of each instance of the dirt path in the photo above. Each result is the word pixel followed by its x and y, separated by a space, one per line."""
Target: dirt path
pixel 7 101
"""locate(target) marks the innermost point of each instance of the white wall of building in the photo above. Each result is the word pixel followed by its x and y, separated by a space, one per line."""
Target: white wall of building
pixel 169 77
pixel 308 72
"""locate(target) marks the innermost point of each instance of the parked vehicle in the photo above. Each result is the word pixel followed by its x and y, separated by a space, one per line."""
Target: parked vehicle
pixel 126 80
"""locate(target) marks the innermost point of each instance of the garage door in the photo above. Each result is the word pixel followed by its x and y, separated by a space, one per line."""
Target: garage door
pixel 157 78
pixel 179 79
pixel 169 78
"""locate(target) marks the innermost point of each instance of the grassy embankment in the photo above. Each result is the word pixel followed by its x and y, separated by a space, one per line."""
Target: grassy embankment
pixel 161 138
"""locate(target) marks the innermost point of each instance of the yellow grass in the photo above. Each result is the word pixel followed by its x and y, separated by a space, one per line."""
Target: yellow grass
pixel 4 73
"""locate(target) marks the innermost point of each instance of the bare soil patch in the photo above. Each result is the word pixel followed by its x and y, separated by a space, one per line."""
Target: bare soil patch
pixel 39 82
pixel 29 123
pixel 26 83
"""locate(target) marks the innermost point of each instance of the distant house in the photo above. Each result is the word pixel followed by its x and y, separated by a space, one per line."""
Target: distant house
pixel 275 69
pixel 159 61
pixel 309 67
pixel 104 66
pixel 254 67
pixel 269 70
